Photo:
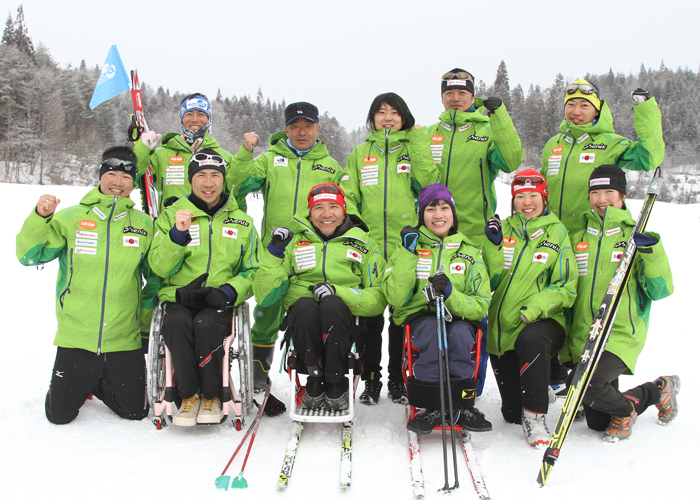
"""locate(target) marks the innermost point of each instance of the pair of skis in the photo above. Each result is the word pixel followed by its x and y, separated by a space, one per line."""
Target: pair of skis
pixel 149 195
pixel 597 337
pixel 291 453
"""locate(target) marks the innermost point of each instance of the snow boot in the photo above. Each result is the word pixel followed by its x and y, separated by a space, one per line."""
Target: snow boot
pixel 667 405
pixel 262 359
pixel 314 395
pixel 189 409
pixel 373 386
pixel 425 421
pixel 620 428
pixel 473 420
pixel 535 428
pixel 397 392
pixel 337 396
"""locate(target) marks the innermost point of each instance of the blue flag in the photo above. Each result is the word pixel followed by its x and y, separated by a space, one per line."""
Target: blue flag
pixel 113 79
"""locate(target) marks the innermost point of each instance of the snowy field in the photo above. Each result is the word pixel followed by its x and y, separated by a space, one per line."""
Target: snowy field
pixel 102 456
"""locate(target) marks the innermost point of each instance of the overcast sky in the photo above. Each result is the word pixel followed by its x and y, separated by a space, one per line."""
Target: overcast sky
pixel 340 55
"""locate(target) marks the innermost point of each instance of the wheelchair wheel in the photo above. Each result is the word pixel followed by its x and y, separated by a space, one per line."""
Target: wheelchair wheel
pixel 155 359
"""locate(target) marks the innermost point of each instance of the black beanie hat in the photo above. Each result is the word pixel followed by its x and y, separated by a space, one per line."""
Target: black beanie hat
pixel 204 159
pixel 119 158
pixel 608 177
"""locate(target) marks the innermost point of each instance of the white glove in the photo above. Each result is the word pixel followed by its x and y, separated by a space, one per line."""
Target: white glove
pixel 150 139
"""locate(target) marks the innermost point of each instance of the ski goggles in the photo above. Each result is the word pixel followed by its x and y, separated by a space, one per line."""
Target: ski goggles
pixel 207 159
pixel 326 192
pixel 584 88
pixel 529 182
pixel 118 165
pixel 459 75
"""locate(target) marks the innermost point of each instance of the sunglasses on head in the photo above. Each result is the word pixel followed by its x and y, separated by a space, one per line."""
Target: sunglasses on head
pixel 529 181
pixel 584 88
pixel 326 188
pixel 207 159
pixel 459 75
pixel 112 163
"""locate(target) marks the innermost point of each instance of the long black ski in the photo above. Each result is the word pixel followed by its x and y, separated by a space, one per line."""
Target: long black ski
pixel 597 337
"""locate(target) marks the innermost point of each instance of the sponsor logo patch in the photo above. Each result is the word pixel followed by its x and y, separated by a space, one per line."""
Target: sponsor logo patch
pixel 547 244
pixel 304 249
pixel 557 150
pixel 176 159
pixel 193 243
pixel 615 230
pixel 324 168
pixel 86 234
pixel 175 168
pixel 424 253
pixel 85 243
pixel 368 160
pixel 370 182
pixel 464 256
pixel 537 234
pixel 370 168
pixel 120 216
pixel 451 246
pixel 135 230
pixel 465 127
pixel 174 182
pixel 437 139
pixel 587 158
pixel 85 251
pixel 509 242
pixel 582 138
pixel 477 138
pixel 580 247
pixel 87 224
pixel 403 158
pixel 354 255
pixel 236 221
pixel 595 146
pixel 395 148
pixel 350 243
pixel 280 161
pixel 616 256
pixel 593 231
pixel 403 168
pixel 99 213
pixel 457 268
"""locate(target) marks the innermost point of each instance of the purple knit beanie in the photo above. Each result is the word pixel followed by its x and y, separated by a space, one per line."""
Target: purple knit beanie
pixel 431 193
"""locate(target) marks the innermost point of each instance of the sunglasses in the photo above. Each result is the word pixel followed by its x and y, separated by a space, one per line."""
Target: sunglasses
pixel 325 188
pixel 525 182
pixel 459 75
pixel 584 88
pixel 207 159
pixel 113 163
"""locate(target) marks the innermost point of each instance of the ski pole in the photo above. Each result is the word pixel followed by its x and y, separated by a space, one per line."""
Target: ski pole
pixel 239 481
pixel 223 481
pixel 439 311
pixel 446 355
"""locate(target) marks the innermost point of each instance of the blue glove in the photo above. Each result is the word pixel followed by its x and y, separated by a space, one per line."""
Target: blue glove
pixel 409 238
pixel 493 230
pixel 644 240
pixel 322 290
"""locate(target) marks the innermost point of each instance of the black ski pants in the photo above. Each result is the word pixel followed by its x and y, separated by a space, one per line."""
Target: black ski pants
pixel 372 349
pixel 603 398
pixel 523 373
pixel 322 333
pixel 118 379
pixel 196 342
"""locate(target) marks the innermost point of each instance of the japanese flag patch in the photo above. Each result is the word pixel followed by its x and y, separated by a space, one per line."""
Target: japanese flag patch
pixel 229 232
pixel 457 268
pixel 540 257
pixel 354 255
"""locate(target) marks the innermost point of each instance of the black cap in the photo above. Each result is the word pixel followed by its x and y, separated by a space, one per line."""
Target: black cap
pixel 608 177
pixel 119 158
pixel 304 110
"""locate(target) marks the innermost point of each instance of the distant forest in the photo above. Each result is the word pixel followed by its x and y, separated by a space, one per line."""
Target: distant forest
pixel 49 135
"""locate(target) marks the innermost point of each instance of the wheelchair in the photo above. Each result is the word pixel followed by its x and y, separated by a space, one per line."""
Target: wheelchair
pixel 162 379
pixel 427 394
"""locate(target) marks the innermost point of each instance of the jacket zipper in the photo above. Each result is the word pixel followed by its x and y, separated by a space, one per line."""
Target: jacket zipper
pixel 595 269
pixel 70 280
pixel 104 286
pixel 563 178
pixel 386 178
pixel 449 153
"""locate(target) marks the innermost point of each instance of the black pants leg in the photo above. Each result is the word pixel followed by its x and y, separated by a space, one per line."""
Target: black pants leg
pixel 507 373
pixel 195 340
pixel 118 379
pixel 395 352
pixel 322 333
pixel 535 345
pixel 604 399
pixel 372 347
pixel 122 386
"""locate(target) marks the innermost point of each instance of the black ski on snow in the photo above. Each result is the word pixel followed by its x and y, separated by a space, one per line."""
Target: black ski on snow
pixel 597 337
pixel 291 453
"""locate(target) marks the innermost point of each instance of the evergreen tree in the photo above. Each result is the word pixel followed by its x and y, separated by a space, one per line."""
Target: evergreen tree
pixel 501 86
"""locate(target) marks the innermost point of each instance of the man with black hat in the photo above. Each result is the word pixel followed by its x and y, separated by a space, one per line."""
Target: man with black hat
pixel 206 250
pixel 101 245
pixel 295 162
pixel 473 140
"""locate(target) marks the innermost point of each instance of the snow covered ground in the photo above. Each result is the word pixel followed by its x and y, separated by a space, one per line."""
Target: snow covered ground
pixel 102 456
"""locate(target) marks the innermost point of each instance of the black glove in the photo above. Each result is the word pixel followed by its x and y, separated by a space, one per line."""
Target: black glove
pixel 441 284
pixel 640 95
pixel 493 230
pixel 409 238
pixel 322 290
pixel 217 299
pixel 281 236
pixel 193 295
pixel 492 104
